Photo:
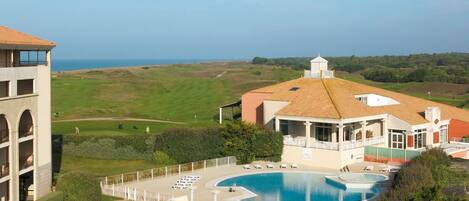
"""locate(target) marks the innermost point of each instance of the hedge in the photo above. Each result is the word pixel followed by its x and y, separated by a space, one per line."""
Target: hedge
pixel 77 186
pixel 247 142
pixel 54 196
pixel 186 145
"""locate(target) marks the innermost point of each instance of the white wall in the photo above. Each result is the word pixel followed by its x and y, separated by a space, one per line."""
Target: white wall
pixel 270 108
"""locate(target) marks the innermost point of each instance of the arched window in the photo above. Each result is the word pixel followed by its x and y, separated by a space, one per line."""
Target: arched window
pixel 4 133
pixel 26 127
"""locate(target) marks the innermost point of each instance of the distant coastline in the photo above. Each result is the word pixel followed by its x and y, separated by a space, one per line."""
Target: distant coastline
pixel 59 65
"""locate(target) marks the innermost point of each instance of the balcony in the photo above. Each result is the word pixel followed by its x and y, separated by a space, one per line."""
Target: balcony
pixel 347 145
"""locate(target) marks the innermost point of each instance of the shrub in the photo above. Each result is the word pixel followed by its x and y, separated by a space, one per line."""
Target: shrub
pixel 423 178
pixel 384 75
pixel 249 142
pixel 186 145
pixel 162 158
pixel 78 186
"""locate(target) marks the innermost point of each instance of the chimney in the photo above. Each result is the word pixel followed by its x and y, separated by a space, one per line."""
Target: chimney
pixel 433 114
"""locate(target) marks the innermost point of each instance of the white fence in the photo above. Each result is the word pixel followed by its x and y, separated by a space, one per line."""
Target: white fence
pixel 116 185
pixel 301 142
pixel 134 194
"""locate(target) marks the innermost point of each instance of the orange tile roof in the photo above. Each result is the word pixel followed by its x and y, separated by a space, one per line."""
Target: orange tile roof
pixel 12 37
pixel 335 98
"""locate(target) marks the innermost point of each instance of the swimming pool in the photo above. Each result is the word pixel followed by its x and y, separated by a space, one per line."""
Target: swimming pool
pixel 296 186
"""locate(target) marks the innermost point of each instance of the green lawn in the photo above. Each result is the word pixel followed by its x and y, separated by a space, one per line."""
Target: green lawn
pixel 188 93
pixel 102 168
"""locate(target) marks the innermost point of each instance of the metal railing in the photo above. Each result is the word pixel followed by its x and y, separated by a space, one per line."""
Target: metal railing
pixel 134 194
pixel 167 171
pixel 116 185
pixel 301 142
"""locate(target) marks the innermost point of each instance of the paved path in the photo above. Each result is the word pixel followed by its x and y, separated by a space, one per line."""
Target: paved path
pixel 119 119
pixel 221 74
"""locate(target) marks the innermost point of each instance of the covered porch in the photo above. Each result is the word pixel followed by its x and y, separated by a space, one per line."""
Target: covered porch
pixel 330 134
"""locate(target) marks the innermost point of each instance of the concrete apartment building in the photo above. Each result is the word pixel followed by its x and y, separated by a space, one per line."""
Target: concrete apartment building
pixel 328 122
pixel 25 121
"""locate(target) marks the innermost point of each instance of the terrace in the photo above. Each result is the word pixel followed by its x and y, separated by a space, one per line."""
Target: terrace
pixel 332 136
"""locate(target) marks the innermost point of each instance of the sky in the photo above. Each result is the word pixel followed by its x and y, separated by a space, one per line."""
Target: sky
pixel 241 29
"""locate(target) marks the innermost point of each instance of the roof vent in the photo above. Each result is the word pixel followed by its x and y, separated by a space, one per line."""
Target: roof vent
pixel 294 89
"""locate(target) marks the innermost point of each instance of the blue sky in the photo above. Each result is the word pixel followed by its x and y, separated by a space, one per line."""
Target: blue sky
pixel 240 29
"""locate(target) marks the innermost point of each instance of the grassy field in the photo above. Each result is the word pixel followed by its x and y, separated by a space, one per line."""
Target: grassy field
pixel 188 93
pixel 183 93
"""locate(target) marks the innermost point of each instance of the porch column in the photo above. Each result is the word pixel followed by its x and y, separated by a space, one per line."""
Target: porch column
pixel 334 133
pixel 277 124
pixel 308 133
pixel 313 126
pixel 341 135
pixel 363 129
pixel 384 131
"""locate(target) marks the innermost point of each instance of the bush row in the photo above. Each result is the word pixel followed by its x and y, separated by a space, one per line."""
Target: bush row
pixel 245 141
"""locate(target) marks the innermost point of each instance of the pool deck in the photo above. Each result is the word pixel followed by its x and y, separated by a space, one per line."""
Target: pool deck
pixel 211 176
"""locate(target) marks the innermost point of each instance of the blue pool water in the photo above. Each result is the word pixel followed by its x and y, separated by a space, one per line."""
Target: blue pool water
pixel 295 187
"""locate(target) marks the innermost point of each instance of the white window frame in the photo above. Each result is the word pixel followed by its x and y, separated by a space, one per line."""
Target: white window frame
pixel 397 139
pixel 444 132
pixel 419 138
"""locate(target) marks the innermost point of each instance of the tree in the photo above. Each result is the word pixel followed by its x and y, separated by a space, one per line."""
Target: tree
pixel 259 60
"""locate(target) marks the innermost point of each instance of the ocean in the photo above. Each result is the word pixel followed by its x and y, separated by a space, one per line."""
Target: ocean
pixel 78 64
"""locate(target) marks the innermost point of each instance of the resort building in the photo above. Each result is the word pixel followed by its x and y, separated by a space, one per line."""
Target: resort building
pixel 329 122
pixel 25 122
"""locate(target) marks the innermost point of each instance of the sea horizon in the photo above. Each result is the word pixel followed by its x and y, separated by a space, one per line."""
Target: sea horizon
pixel 81 64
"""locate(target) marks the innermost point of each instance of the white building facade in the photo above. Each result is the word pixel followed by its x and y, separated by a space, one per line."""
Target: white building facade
pixel 25 116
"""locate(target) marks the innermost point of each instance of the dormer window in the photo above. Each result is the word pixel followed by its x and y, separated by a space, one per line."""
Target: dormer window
pixel 374 100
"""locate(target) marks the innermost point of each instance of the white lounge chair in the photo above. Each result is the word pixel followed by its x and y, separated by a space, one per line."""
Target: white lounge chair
pixel 283 165
pixel 385 168
pixel 257 166
pixel 193 176
pixel 394 169
pixel 294 165
pixel 369 168
pixel 270 166
pixel 246 167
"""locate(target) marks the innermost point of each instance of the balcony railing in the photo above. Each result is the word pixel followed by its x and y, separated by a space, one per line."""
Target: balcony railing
pixel 346 145
pixel 4 170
